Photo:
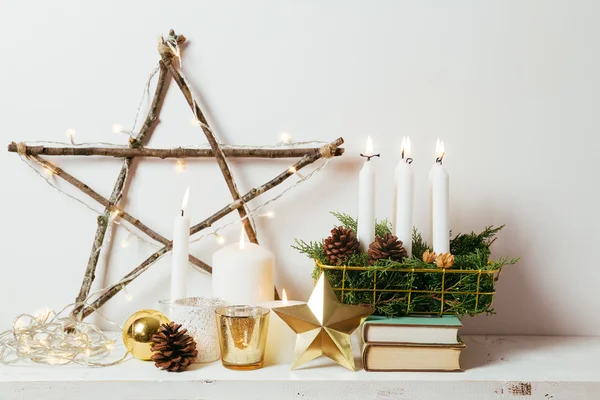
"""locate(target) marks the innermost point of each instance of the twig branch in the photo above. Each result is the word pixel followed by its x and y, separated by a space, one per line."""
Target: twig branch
pixel 165 153
pixel 325 151
pixel 111 207
pixel 117 193
pixel 167 57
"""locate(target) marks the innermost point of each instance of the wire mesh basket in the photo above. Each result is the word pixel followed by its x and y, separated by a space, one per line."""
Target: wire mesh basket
pixel 400 291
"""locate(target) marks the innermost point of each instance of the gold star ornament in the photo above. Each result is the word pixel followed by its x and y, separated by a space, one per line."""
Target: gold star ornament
pixel 323 326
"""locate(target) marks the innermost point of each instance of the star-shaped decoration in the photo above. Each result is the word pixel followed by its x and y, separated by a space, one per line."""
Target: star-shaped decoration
pixel 169 64
pixel 323 326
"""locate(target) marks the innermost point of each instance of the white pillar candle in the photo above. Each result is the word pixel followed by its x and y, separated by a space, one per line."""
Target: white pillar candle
pixel 181 252
pixel 440 203
pixel 366 200
pixel 404 198
pixel 243 273
pixel 281 340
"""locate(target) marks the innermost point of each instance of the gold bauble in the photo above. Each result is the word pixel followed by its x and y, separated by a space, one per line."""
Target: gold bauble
pixel 138 331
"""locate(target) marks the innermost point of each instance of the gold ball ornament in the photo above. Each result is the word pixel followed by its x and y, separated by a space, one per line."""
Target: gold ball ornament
pixel 138 330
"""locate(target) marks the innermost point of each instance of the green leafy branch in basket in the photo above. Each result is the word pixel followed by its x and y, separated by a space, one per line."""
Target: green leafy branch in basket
pixel 395 292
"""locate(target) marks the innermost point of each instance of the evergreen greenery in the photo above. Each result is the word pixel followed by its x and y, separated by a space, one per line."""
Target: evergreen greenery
pixel 471 253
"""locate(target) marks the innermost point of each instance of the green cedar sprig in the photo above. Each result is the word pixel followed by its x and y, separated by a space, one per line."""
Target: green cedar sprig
pixel 471 251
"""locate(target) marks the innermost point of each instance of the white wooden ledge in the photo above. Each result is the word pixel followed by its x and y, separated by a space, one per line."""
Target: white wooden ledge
pixel 497 367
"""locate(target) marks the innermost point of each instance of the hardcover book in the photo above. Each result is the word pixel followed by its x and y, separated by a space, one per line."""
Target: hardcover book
pixel 411 357
pixel 412 329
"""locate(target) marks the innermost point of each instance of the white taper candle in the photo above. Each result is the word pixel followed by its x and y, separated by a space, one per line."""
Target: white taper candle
pixel 440 203
pixel 404 198
pixel 181 252
pixel 366 200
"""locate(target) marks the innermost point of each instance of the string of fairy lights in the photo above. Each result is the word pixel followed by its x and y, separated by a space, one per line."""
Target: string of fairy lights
pixel 59 338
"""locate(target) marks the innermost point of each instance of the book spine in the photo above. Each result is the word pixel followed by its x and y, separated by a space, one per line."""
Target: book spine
pixel 365 352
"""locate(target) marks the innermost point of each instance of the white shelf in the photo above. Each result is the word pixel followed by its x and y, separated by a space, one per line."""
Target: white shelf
pixel 496 367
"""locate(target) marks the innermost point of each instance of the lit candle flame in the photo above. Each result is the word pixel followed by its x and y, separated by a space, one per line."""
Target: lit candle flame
pixel 439 150
pixel 71 135
pixel 284 296
pixel 184 203
pixel 242 241
pixel 369 148
pixel 406 151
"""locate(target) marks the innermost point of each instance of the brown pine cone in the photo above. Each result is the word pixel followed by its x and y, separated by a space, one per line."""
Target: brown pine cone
pixel 340 245
pixel 386 247
pixel 174 350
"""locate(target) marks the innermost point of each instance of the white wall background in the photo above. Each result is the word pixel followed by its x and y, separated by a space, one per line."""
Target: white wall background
pixel 511 87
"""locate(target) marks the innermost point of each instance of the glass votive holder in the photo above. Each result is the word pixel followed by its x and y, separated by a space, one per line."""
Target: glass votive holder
pixel 243 336
pixel 197 315
pixel 165 307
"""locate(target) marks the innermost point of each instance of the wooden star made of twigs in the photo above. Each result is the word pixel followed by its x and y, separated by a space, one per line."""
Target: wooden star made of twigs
pixel 168 65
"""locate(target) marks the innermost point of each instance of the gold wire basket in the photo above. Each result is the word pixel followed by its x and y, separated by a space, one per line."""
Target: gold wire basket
pixel 400 291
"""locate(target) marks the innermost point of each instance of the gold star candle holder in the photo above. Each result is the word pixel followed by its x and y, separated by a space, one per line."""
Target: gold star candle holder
pixel 242 336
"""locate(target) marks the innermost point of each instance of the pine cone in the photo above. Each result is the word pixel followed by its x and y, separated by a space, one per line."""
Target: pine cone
pixel 174 350
pixel 340 245
pixel 386 247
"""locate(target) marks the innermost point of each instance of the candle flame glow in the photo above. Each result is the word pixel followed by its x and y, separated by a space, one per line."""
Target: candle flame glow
pixel 369 148
pixel 406 151
pixel 242 241
pixel 186 197
pixel 439 150
pixel 71 135
pixel 284 296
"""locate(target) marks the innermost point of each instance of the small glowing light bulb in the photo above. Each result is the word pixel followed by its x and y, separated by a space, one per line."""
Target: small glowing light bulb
pixel 128 295
pixel 114 215
pixel 194 122
pixel 125 243
pixel 286 137
pixel 293 170
pixel 49 173
pixel 88 352
pixel 180 166
pixel 220 239
pixel 117 128
pixel 110 346
pixel 270 214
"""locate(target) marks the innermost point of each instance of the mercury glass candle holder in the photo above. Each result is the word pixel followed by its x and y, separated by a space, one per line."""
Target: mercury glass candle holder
pixel 197 315
pixel 243 336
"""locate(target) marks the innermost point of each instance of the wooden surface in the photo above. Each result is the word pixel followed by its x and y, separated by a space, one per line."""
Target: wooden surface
pixel 497 367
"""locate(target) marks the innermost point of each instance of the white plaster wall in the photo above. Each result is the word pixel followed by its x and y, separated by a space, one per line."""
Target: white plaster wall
pixel 511 87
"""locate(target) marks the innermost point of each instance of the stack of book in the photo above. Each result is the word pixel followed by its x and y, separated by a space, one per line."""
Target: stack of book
pixel 428 343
